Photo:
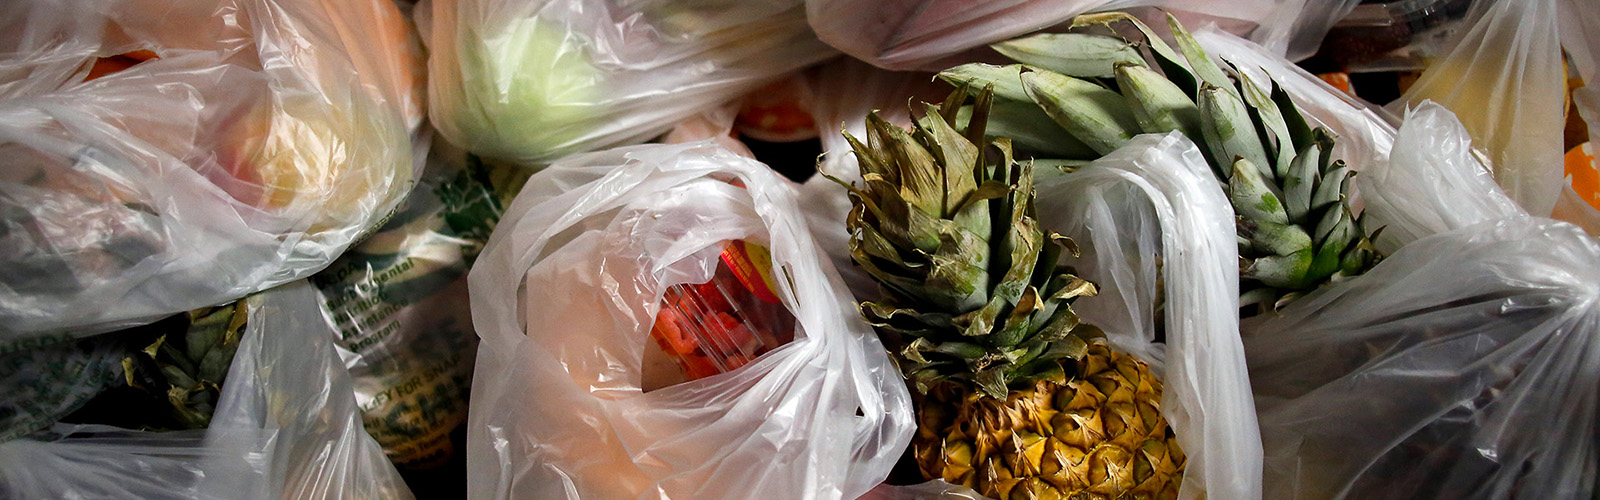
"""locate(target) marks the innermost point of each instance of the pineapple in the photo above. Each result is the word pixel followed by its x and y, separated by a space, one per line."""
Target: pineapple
pixel 1080 96
pixel 1015 398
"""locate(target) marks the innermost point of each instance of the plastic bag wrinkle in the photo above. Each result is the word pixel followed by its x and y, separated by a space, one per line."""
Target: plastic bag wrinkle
pixel 1462 366
pixel 615 228
pixel 286 426
pixel 257 143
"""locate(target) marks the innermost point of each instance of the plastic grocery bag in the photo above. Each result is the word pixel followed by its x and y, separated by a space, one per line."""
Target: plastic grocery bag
pixel 1506 81
pixel 286 427
pixel 1297 31
pixel 925 34
pixel 564 298
pixel 399 303
pixel 1156 233
pixel 160 158
pixel 531 81
pixel 1462 366
pixel 1415 380
pixel 45 383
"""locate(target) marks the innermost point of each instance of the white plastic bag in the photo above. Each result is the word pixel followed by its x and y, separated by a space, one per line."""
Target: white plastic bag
pixel 1449 369
pixel 1296 31
pixel 258 140
pixel 565 295
pixel 1506 82
pixel 924 34
pixel 1580 37
pixel 1155 230
pixel 399 302
pixel 286 427
pixel 531 81
pixel 1462 366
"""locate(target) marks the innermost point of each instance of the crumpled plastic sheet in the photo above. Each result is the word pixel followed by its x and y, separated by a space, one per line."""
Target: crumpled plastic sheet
pixel 565 295
pixel 262 138
pixel 1462 366
pixel 930 35
pixel 286 427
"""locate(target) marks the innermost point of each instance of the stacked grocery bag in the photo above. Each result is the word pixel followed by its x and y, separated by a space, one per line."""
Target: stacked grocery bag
pixel 799 249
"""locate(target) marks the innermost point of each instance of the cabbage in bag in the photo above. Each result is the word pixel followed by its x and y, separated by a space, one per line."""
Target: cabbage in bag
pixel 532 81
pixel 566 297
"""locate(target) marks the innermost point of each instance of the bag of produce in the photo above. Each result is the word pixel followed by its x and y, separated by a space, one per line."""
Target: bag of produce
pixel 1435 374
pixel 1022 308
pixel 161 158
pixel 532 81
pixel 285 424
pixel 45 383
pixel 1463 366
pixel 926 34
pixel 1296 223
pixel 399 303
pixel 1506 80
pixel 657 322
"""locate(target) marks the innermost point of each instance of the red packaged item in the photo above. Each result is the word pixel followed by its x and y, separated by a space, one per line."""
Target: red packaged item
pixel 718 326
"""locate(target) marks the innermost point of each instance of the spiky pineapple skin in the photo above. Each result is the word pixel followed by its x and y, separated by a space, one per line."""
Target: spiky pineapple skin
pixel 1099 436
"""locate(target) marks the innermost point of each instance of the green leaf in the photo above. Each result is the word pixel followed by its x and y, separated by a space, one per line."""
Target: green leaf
pixel 1199 62
pixel 1229 132
pixel 1173 65
pixel 1251 197
pixel 1279 143
pixel 1006 80
pixel 1097 116
pixel 1282 271
pixel 1157 103
pixel 1076 54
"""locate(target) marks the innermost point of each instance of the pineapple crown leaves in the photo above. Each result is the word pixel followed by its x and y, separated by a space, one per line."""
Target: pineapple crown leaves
pixel 188 372
pixel 1296 227
pixel 975 293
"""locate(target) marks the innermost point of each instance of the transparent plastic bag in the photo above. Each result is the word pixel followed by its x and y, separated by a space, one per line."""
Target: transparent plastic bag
pixel 1462 366
pixel 253 142
pixel 286 427
pixel 45 383
pixel 1506 82
pixel 925 35
pixel 1296 31
pixel 399 302
pixel 1156 231
pixel 532 81
pixel 566 294
pixel 1580 37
